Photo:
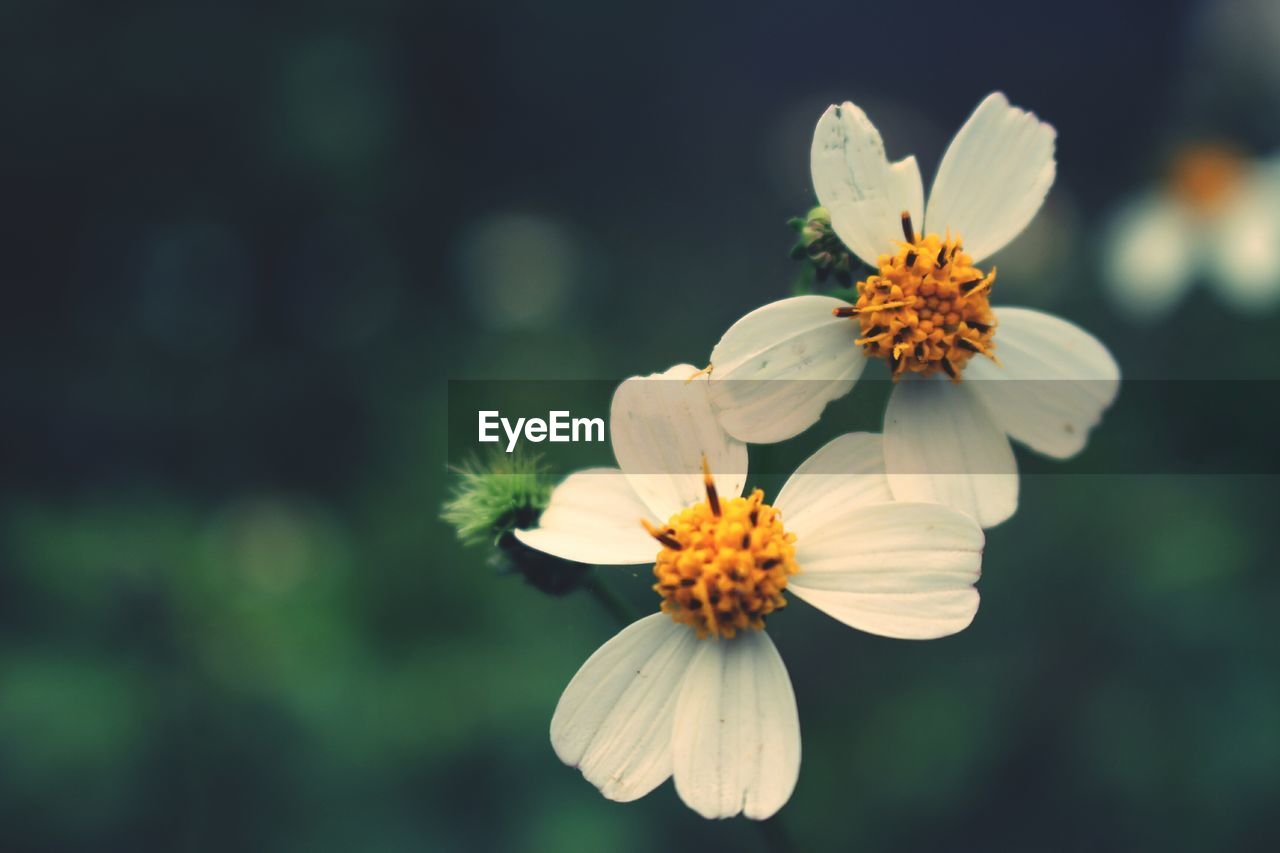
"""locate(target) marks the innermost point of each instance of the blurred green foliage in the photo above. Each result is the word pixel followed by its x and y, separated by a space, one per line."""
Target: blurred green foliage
pixel 248 247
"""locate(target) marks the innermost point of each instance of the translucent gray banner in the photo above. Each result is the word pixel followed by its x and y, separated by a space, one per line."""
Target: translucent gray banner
pixel 1152 427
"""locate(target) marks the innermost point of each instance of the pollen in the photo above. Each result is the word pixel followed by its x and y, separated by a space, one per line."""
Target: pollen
pixel 724 563
pixel 928 308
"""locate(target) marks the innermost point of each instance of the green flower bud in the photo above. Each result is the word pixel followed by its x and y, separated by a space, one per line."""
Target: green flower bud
pixel 497 495
pixel 819 246
pixel 500 494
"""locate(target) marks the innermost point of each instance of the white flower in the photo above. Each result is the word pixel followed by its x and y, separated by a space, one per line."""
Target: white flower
pixel 926 312
pixel 698 691
pixel 1218 217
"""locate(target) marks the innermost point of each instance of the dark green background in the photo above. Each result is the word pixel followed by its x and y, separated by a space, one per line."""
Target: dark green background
pixel 246 246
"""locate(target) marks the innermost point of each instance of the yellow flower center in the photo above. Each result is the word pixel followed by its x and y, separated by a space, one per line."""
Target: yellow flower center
pixel 1206 176
pixel 724 563
pixel 928 308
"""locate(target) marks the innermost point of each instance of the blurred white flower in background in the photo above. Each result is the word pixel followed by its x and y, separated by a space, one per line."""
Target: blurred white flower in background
pixel 1216 217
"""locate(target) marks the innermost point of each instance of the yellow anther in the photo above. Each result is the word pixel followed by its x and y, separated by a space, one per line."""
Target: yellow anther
pixel 662 534
pixel 883 306
pixel 724 563
pixel 709 483
pixel 912 310
pixel 976 288
pixel 706 371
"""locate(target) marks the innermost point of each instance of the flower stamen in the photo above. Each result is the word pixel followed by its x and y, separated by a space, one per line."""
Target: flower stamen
pixel 724 563
pixel 882 306
pixel 662 534
pixel 713 499
pixel 925 317
pixel 706 371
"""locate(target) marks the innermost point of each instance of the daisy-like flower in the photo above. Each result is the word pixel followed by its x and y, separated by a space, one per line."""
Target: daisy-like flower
pixel 1217 217
pixel 980 375
pixel 698 691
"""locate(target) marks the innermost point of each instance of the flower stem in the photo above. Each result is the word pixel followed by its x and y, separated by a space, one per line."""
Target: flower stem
pixel 609 600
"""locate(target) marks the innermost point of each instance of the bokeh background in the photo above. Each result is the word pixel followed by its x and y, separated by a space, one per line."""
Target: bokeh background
pixel 246 245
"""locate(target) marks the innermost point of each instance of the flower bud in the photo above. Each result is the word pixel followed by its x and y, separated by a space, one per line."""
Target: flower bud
pixel 819 245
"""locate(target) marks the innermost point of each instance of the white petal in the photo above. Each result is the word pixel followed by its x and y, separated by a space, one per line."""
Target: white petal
pixel 854 181
pixel 1149 257
pixel 661 426
pixel 1052 384
pixel 736 743
pixel 846 473
pixel 594 517
pixel 941 446
pixel 614 720
pixel 896 569
pixel 993 178
pixel 776 369
pixel 1244 251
